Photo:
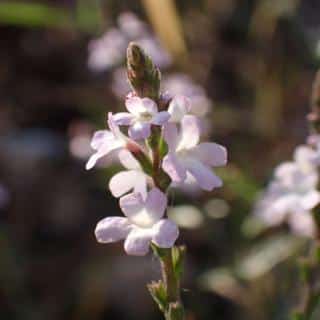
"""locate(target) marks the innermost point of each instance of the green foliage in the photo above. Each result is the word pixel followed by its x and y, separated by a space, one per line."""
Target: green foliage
pixel 159 294
pixel 178 255
pixel 34 15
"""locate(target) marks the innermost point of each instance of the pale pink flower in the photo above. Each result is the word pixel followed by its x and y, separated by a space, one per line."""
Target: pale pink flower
pixel 187 155
pixel 142 114
pixel 142 225
pixel 179 106
pixel 105 142
pixel 290 197
pixel 131 179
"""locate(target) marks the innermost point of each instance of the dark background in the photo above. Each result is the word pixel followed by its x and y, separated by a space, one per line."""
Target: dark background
pixel 255 59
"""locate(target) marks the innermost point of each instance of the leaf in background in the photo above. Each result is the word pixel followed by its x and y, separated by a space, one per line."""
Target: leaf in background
pixel 34 15
pixel 238 182
pixel 89 15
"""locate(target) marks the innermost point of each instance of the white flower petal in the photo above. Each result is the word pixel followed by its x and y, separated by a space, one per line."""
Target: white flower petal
pixel 140 131
pixel 128 160
pixel 302 224
pixel 190 132
pixel 133 105
pixel 211 154
pixel 99 138
pixel 123 118
pixel 161 118
pixel 138 242
pixel 156 204
pixel 112 229
pixel 148 106
pixel 165 233
pixel 204 176
pixel 178 108
pixel 310 199
pixel 122 182
pixel 171 136
pixel 174 168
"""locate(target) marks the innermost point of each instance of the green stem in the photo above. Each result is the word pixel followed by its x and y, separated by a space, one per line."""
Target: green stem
pixel 174 310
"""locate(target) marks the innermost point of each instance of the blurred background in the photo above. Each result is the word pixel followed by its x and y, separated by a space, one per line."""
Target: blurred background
pixel 247 64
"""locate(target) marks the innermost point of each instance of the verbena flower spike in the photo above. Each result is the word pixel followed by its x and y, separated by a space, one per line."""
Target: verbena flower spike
pixel 161 149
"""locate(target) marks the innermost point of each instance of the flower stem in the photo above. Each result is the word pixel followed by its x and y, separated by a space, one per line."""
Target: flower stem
pixel 174 310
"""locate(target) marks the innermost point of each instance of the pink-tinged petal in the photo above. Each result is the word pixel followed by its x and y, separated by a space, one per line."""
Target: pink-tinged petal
pixel 178 108
pixel 128 160
pixel 161 118
pixel 133 105
pixel 149 106
pixel 156 204
pixel 302 223
pixel 171 136
pixel 112 229
pixel 99 138
pixel 165 233
pixel 140 131
pixel 106 148
pixel 211 154
pixel 123 118
pixel 138 242
pixel 173 167
pixel 122 182
pixel 190 132
pixel 310 200
pixel 131 204
pixel 114 128
pixel 204 176
pixel 136 209
pixel 141 184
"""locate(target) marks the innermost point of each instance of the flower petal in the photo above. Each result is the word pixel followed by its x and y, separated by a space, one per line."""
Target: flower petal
pixel 122 182
pixel 302 223
pixel 114 128
pixel 165 233
pixel 211 154
pixel 131 204
pixel 136 106
pixel 171 136
pixel 112 229
pixel 128 160
pixel 99 138
pixel 178 108
pixel 156 203
pixel 138 242
pixel 161 118
pixel 174 168
pixel 133 105
pixel 204 176
pixel 140 131
pixel 190 132
pixel 149 106
pixel 310 199
pixel 123 118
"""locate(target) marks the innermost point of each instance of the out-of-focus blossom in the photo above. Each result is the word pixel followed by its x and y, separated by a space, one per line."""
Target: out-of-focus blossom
pixel 109 51
pixel 152 46
pixel 79 142
pixel 178 108
pixel 291 195
pixel 131 26
pixel 181 84
pixel 186 155
pixel 131 179
pixel 142 114
pixel 106 141
pixel 143 223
